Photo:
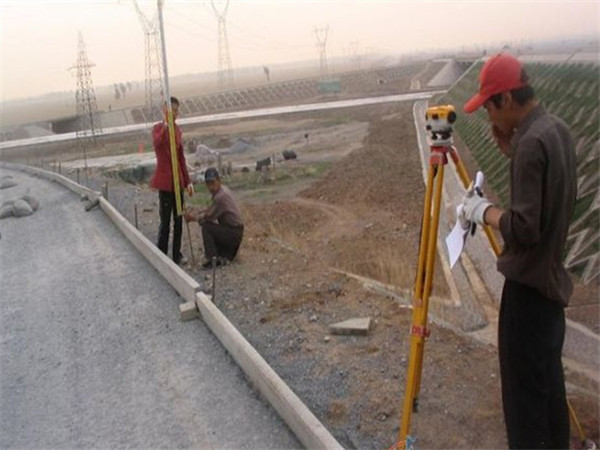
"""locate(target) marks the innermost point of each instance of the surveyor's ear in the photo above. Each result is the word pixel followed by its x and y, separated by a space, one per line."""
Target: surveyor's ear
pixel 507 100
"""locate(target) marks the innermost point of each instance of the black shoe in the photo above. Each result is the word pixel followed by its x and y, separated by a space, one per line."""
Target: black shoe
pixel 181 261
pixel 218 262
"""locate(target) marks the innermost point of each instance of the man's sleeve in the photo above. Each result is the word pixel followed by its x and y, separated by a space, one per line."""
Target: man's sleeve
pixel 520 224
pixel 160 135
pixel 215 210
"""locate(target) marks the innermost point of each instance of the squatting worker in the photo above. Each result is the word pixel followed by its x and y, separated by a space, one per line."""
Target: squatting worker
pixel 543 189
pixel 163 181
pixel 222 225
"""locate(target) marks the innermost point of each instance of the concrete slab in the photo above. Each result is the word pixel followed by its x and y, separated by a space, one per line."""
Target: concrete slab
pixel 358 326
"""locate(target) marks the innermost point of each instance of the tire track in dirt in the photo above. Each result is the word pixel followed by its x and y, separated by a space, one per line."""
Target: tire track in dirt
pixel 340 221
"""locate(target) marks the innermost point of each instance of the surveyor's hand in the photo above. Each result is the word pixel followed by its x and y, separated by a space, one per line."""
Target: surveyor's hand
pixel 190 215
pixel 464 223
pixel 474 207
pixel 502 140
pixel 190 190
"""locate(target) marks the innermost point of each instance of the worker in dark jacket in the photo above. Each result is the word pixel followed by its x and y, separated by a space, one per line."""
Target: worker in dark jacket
pixel 163 181
pixel 222 225
pixel 543 189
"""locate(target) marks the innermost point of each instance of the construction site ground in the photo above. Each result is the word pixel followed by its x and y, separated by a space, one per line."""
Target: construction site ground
pixel 333 236
pixel 92 351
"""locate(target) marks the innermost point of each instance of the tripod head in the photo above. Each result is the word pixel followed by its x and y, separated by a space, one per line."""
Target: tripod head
pixel 439 120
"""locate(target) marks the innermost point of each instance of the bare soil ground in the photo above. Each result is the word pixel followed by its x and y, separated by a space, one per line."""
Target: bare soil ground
pixel 309 228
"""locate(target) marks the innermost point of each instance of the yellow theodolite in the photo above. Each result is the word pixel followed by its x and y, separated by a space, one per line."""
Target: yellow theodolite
pixel 439 120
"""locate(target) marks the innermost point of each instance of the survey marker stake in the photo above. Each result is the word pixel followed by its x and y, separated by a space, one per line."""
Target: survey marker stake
pixel 214 277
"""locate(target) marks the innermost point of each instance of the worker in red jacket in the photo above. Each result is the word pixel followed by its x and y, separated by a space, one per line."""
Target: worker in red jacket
pixel 163 181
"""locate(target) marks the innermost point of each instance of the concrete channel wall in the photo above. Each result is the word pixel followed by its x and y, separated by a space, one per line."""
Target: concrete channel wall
pixel 303 423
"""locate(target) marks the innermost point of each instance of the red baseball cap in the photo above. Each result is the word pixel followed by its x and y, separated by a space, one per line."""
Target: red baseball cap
pixel 500 73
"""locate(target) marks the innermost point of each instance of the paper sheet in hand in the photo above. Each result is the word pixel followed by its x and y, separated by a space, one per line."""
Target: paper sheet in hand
pixel 455 241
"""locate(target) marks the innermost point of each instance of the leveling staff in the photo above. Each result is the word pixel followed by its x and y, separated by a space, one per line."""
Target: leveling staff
pixel 163 181
pixel 543 189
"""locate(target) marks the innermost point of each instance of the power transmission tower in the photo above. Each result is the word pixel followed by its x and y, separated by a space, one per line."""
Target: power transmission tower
pixel 225 73
pixel 88 120
pixel 153 83
pixel 355 57
pixel 321 38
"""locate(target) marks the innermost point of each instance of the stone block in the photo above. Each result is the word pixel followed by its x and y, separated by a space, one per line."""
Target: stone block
pixel 188 311
pixel 359 326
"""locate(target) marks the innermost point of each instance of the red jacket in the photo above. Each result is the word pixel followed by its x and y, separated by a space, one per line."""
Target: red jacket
pixel 163 175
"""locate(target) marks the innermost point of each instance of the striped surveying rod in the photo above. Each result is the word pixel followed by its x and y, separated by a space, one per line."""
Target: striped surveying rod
pixel 171 125
pixel 170 122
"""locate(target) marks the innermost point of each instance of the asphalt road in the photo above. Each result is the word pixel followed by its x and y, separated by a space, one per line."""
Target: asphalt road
pixel 92 352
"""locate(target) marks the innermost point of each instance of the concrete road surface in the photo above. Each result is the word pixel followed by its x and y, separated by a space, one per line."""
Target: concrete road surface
pixel 92 352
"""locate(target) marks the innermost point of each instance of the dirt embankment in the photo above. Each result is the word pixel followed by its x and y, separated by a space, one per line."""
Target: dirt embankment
pixel 382 187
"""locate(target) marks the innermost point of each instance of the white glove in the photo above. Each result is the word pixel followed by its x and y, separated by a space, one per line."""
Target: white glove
pixel 474 208
pixel 460 216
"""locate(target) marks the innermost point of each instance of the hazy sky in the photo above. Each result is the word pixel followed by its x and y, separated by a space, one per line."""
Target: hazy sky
pixel 39 38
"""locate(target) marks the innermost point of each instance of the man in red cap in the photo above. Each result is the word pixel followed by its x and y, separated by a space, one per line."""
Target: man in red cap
pixel 543 189
pixel 163 181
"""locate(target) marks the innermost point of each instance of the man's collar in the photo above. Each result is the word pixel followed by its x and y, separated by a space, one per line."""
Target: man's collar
pixel 531 117
pixel 220 189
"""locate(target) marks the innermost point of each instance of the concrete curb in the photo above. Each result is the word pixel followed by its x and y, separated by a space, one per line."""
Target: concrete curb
pixel 60 179
pixel 298 417
pixel 307 428
pixel 184 284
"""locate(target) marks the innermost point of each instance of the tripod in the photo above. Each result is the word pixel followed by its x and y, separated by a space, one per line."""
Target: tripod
pixel 438 159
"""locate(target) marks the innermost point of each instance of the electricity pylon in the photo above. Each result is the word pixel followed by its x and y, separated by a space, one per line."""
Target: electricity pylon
pixel 321 38
pixel 225 73
pixel 88 120
pixel 153 84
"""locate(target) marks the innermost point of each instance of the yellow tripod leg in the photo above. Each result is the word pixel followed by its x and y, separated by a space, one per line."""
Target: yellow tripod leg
pixel 420 278
pixel 575 421
pixel 430 268
pixel 420 303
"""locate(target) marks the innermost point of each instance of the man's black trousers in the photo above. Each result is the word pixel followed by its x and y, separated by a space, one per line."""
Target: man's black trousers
pixel 221 240
pixel 531 333
pixel 166 207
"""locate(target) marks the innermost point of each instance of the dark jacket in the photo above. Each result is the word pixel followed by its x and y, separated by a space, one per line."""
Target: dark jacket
pixel 543 190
